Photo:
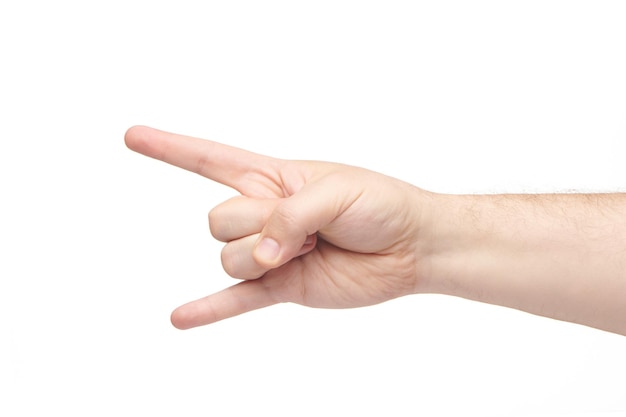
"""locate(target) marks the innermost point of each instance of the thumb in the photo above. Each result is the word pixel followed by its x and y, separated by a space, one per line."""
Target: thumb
pixel 301 215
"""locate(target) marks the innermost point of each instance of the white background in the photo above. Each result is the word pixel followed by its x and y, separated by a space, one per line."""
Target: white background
pixel 98 243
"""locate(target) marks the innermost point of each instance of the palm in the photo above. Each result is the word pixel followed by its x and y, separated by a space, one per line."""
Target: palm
pixel 363 255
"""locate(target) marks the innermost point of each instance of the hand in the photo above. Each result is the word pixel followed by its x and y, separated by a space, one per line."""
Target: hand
pixel 314 233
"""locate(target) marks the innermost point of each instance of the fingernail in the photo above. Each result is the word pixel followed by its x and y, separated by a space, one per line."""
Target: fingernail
pixel 267 249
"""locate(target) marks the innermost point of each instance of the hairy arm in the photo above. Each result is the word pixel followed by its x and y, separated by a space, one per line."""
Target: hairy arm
pixel 556 255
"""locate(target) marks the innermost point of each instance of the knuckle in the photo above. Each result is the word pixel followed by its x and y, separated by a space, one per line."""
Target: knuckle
pixel 237 261
pixel 284 217
pixel 229 264
pixel 225 220
pixel 218 227
pixel 214 220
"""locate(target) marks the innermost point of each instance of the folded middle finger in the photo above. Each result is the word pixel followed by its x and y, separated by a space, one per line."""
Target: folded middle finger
pixel 239 217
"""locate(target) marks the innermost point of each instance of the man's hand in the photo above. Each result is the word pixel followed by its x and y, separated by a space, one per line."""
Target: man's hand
pixel 329 235
pixel 313 233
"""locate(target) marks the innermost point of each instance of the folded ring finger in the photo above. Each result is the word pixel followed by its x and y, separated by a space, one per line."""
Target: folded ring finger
pixel 238 262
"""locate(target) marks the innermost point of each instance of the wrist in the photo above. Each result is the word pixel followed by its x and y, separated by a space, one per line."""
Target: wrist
pixel 476 240
pixel 453 228
pixel 468 237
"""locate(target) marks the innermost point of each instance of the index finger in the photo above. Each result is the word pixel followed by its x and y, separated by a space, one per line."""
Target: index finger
pixel 222 163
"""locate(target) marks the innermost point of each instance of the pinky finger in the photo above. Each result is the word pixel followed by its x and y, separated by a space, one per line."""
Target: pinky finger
pixel 232 301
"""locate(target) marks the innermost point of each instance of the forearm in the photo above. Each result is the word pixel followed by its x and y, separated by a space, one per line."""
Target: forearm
pixel 557 255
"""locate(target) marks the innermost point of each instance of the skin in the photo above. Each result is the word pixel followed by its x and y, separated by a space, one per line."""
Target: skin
pixel 329 235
